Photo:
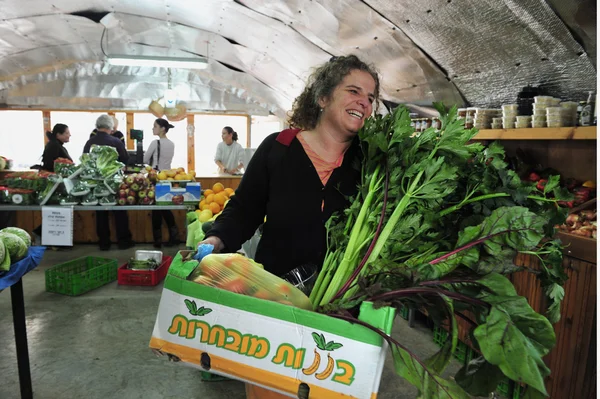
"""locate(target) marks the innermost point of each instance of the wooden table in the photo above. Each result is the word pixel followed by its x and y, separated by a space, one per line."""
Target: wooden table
pixel 28 217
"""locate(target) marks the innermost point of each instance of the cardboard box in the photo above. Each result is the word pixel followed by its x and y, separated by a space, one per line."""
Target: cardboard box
pixel 267 343
pixel 167 194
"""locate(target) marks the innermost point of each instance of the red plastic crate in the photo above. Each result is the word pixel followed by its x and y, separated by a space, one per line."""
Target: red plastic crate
pixel 144 277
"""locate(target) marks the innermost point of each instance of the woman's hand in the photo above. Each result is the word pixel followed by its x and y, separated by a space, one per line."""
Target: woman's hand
pixel 215 242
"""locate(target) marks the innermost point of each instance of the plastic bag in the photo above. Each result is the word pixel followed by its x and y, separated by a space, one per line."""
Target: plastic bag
pixel 236 273
pixel 194 234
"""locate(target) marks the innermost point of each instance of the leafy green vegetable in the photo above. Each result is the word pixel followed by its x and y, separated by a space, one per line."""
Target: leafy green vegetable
pixel 15 246
pixel 3 255
pixel 436 223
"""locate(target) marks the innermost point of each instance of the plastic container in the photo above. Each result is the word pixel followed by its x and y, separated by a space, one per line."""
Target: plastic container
pixel 510 108
pixel 80 275
pixel 538 124
pixel 144 277
pixel 145 255
pixel 550 111
pixel 508 124
pixel 543 99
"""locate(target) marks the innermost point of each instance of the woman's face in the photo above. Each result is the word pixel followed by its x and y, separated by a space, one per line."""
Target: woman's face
pixel 350 103
pixel 227 137
pixel 64 138
pixel 156 129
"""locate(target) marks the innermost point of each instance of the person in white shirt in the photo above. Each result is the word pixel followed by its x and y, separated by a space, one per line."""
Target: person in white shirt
pixel 159 155
pixel 230 154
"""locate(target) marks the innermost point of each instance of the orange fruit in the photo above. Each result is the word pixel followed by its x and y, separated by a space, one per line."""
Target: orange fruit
pixel 218 187
pixel 203 202
pixel 208 192
pixel 214 207
pixel 229 191
pixel 205 207
pixel 220 199
pixel 209 198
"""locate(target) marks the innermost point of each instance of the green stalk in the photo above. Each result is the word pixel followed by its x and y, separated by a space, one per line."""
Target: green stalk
pixel 321 276
pixel 388 229
pixel 360 232
pixel 485 197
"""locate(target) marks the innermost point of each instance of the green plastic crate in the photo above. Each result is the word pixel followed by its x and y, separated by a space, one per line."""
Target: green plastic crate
pixel 81 275
pixel 403 312
pixel 503 389
pixel 463 353
pixel 210 377
pixel 439 335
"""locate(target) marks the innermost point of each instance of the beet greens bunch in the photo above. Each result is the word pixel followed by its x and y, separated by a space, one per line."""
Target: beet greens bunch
pixel 436 225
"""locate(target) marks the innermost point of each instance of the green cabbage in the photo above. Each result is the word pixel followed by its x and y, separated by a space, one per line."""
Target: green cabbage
pixel 23 235
pixel 16 247
pixel 5 262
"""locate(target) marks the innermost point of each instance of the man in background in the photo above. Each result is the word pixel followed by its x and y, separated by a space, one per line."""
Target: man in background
pixel 105 125
pixel 115 132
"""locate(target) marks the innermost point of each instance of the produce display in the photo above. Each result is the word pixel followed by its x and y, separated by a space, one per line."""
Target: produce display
pixel 136 189
pixel 582 223
pixel 236 273
pixel 14 243
pixel 213 202
pixel 178 174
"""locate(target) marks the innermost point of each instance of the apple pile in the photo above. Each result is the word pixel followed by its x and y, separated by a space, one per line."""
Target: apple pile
pixel 137 189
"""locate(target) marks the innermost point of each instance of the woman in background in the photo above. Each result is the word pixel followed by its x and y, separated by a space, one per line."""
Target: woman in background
pixel 54 149
pixel 159 155
pixel 230 154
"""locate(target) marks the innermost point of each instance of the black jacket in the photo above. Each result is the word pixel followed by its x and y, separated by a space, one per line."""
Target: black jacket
pixel 283 185
pixel 54 149
pixel 103 138
pixel 118 134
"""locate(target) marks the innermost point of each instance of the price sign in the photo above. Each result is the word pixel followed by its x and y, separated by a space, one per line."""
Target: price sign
pixel 57 225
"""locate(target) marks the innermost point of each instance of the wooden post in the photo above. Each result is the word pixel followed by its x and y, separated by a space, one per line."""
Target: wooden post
pixel 249 129
pixel 130 143
pixel 47 125
pixel 191 153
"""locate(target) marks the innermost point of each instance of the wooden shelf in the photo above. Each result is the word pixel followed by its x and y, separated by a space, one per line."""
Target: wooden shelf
pixel 560 133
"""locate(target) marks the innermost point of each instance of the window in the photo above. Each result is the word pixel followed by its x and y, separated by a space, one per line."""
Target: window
pixel 262 126
pixel 81 125
pixel 122 126
pixel 178 135
pixel 23 139
pixel 207 135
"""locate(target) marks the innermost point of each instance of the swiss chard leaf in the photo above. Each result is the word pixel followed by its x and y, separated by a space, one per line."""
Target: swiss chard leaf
pixel 429 384
pixel 438 362
pixel 514 337
pixel 479 377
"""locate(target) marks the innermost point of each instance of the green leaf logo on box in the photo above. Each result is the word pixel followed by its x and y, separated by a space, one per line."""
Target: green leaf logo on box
pixel 194 311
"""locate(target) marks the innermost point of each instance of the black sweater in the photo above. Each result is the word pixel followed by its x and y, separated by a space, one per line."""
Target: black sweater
pixel 283 185
pixel 54 149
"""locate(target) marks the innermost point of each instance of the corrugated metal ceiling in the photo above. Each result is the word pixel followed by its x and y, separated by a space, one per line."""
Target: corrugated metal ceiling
pixel 261 51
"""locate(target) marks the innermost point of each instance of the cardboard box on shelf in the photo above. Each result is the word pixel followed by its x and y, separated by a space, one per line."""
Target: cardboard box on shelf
pixel 268 344
pixel 167 193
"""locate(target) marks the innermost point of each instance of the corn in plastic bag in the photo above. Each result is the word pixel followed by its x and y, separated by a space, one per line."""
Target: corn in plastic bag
pixel 239 274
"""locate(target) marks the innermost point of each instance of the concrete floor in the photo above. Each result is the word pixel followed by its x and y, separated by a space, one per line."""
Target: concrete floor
pixel 95 346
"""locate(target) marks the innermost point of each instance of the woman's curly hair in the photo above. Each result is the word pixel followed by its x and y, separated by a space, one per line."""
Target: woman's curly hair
pixel 321 84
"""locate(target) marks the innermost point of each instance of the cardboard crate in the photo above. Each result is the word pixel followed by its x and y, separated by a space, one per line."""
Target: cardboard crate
pixel 266 343
pixel 186 193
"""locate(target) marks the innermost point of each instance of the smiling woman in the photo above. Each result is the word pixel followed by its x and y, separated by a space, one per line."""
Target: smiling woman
pixel 299 177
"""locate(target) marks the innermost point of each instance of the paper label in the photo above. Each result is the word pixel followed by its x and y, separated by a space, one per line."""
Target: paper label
pixel 57 226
